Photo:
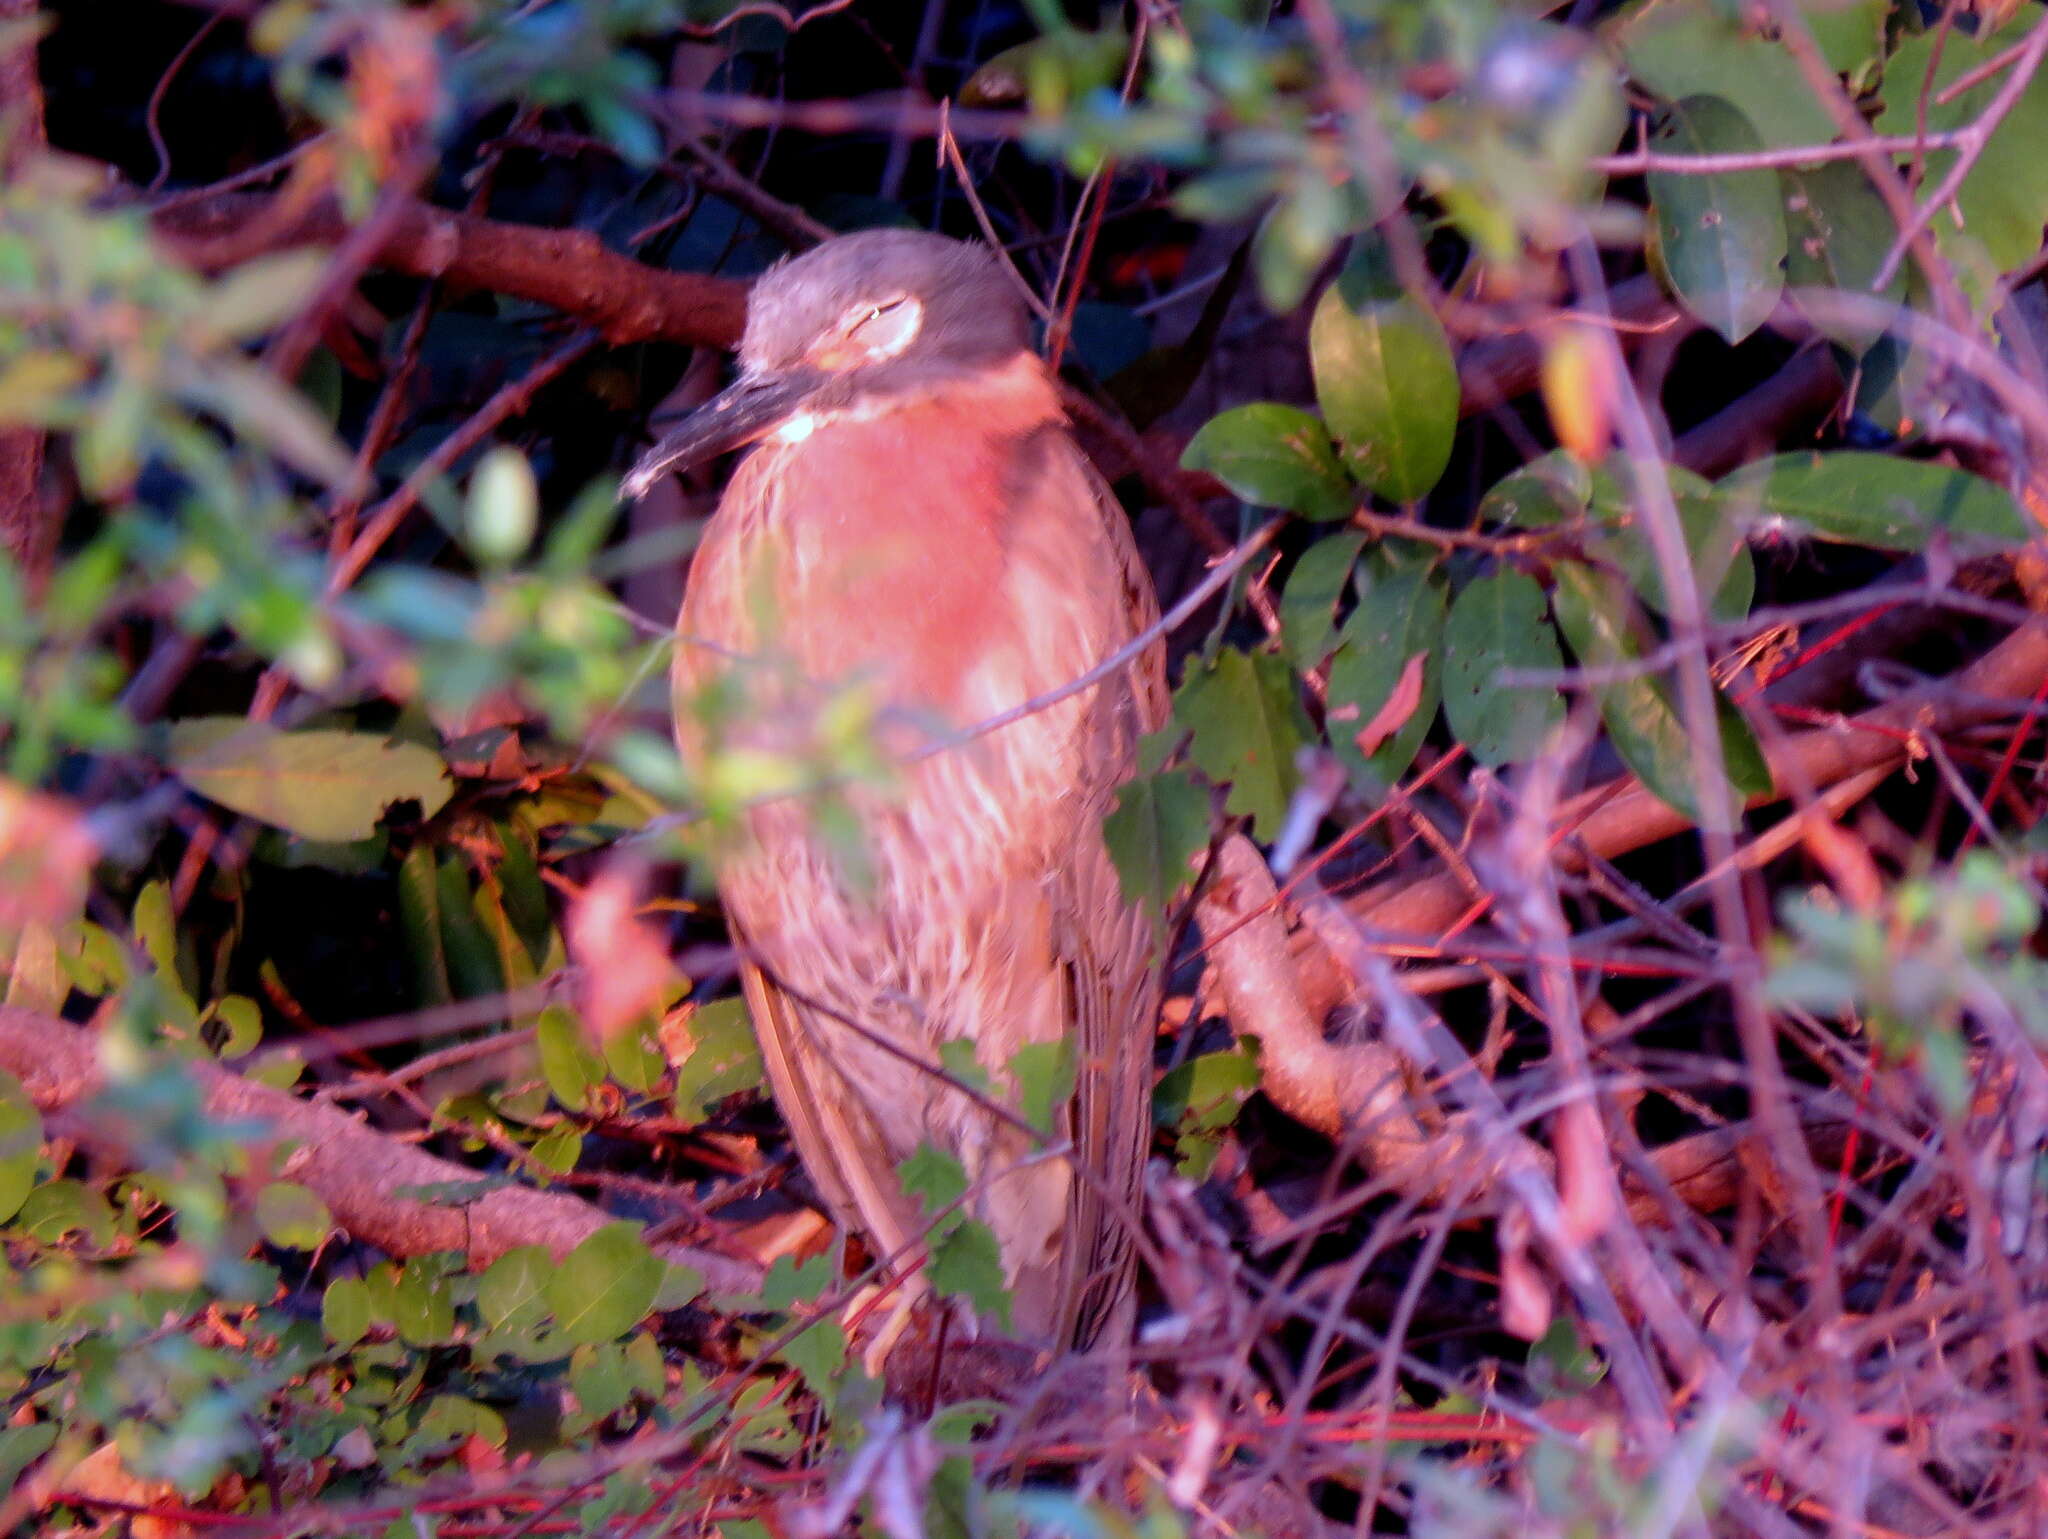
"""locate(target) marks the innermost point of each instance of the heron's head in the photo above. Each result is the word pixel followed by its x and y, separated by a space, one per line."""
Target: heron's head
pixel 846 326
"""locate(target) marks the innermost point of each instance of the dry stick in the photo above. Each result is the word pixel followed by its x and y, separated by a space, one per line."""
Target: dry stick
pixel 355 1169
pixel 1632 817
pixel 949 154
pixel 1636 162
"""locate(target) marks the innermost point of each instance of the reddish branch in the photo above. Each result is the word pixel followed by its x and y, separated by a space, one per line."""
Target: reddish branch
pixel 570 270
pixel 1615 818
pixel 357 1171
pixel 28 525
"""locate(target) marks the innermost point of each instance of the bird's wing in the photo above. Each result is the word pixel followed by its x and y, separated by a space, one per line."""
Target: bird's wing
pixel 833 1129
pixel 1108 953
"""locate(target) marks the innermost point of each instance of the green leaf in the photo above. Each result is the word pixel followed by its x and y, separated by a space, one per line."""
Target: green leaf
pixel 345 1311
pixel 475 966
pixel 567 1063
pixel 2004 198
pixel 818 1352
pixel 1206 1091
pixel 1295 237
pixel 511 1296
pixel 966 1262
pixel 503 508
pixel 1388 386
pixel 1601 621
pixel 35 381
pixel 1159 825
pixel 1681 48
pixel 1713 529
pixel 1721 237
pixel 21 1444
pixel 790 1282
pixel 1551 490
pixel 559 1148
pixel 21 1145
pixel 1838 233
pixel 261 293
pixel 419 918
pixel 1248 725
pixel 450 1419
pixel 959 1059
pixel 633 1057
pixel 1400 616
pixel 1498 623
pixel 934 1177
pixel 597 1378
pixel 241 1023
pixel 423 1305
pixel 1877 500
pixel 1043 1073
pixel 1308 604
pixel 1275 456
pixel 292 1216
pixel 56 1210
pixel 724 1058
pixel 605 1286
pixel 323 785
pixel 156 931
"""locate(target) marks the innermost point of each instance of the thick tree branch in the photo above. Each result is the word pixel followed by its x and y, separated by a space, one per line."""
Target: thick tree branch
pixel 571 270
pixel 356 1170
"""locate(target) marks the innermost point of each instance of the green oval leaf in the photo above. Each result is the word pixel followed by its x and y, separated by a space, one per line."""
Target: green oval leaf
pixel 1600 619
pixel 567 1061
pixel 292 1216
pixel 724 1058
pixel 345 1311
pixel 1308 604
pixel 605 1286
pixel 503 507
pixel 323 785
pixel 1722 237
pixel 1682 48
pixel 1498 623
pixel 1399 616
pixel 2003 200
pixel 1876 500
pixel 1273 455
pixel 21 1145
pixel 1550 490
pixel 1713 527
pixel 511 1295
pixel 423 1305
pixel 1388 386
pixel 1838 234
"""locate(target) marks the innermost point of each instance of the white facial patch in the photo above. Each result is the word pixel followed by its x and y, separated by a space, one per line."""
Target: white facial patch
pixel 797 428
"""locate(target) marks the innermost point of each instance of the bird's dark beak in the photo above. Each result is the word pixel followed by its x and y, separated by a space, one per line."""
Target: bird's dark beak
pixel 751 408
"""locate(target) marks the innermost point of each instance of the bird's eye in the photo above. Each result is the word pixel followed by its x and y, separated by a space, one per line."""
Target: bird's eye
pixel 884 330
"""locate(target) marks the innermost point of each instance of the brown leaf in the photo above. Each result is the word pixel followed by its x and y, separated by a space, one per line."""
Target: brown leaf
pixel 622 965
pixel 46 854
pixel 1579 391
pixel 1400 705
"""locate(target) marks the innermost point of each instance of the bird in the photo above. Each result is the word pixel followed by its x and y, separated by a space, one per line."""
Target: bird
pixel 913 519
